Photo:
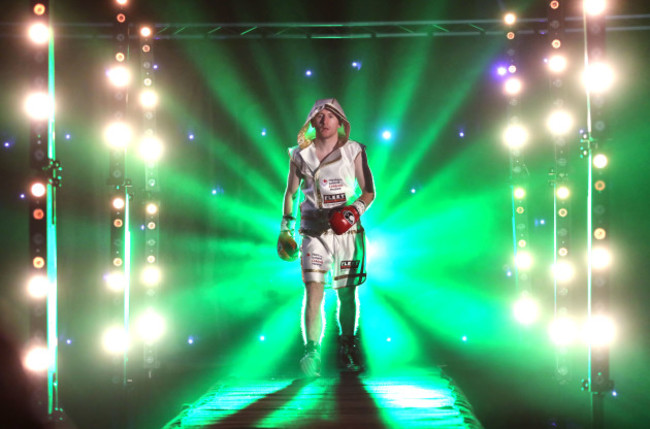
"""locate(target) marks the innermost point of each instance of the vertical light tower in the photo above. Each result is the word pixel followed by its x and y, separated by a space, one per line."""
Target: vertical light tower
pixel 516 137
pixel 150 323
pixel 118 135
pixel 560 125
pixel 598 77
pixel 42 351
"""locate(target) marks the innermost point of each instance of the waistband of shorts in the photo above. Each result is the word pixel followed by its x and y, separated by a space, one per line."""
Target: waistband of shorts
pixel 315 233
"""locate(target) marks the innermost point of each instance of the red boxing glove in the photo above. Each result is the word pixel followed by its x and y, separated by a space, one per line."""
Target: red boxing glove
pixel 343 219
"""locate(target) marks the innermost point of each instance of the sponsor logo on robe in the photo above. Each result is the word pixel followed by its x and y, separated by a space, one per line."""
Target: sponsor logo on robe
pixel 334 198
pixel 332 184
pixel 316 259
pixel 348 265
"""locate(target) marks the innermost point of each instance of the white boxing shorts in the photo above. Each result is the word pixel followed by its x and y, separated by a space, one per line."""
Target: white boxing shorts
pixel 334 260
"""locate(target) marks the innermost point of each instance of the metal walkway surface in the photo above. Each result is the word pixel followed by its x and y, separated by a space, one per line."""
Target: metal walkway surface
pixel 422 399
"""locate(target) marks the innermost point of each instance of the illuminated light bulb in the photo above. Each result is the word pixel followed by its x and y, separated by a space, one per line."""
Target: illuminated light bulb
pixel 146 48
pixel 116 281
pixel 118 223
pixel 563 271
pixel 38 189
pixel 151 326
pixel 151 276
pixel 145 31
pixel 119 203
pixel 557 63
pixel 559 122
pixel 308 73
pixel 594 7
pixel 598 77
pixel 38 262
pixel 600 258
pixel 519 193
pixel 510 35
pixel 515 136
pixel 600 185
pixel 509 18
pixel 148 99
pixel 121 18
pixel 600 331
pixel 151 225
pixel 600 161
pixel 562 192
pixel 37 359
pixel 556 43
pixel 122 2
pixel 151 148
pixel 520 210
pixel 563 331
pixel 38 287
pixel 554 4
pixel 151 259
pixel 38 214
pixel 501 71
pixel 152 208
pixel 39 9
pixel 600 233
pixel 386 135
pixel 512 86
pixel 525 310
pixel 523 260
pixel 117 262
pixel 512 68
pixel 119 57
pixel 39 33
pixel 521 243
pixel 563 212
pixel 262 338
pixel 38 105
pixel 115 340
pixel 563 251
pixel 119 76
pixel 118 134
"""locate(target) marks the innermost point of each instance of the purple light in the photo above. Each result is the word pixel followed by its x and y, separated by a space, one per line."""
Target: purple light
pixel 68 341
pixel 501 71
pixel 68 136
pixel 22 196
pixel 7 144
pixel 308 73
pixel 191 136
pixel 461 133
pixel 155 66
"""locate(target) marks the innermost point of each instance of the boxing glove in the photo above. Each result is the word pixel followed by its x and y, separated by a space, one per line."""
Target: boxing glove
pixel 344 218
pixel 287 246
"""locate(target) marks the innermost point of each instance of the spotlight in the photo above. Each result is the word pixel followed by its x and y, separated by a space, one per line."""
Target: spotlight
pixel 38 105
pixel 556 43
pixel 562 192
pixel 39 9
pixel 519 193
pixel 152 208
pixel 523 260
pixel 145 31
pixel 386 135
pixel 559 122
pixel 515 136
pixel 562 331
pixel 39 33
pixel 118 203
pixel 121 2
pixel 525 310
pixel 308 73
pixel 263 133
pixel 151 326
pixel 38 189
pixel 148 99
pixel 600 161
pixel 509 18
pixel 119 76
pixel 151 276
pixel 600 258
pixel 115 281
pixel 501 71
pixel 38 287
pixel 512 69
pixel 37 359
pixel 594 7
pixel 512 86
pixel 151 148
pixel 557 63
pixel 563 271
pixel 598 77
pixel 600 331
pixel 118 134
pixel 115 340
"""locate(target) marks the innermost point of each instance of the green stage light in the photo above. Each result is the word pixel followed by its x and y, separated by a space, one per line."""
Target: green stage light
pixel 115 340
pixel 37 359
pixel 151 326
pixel 519 193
